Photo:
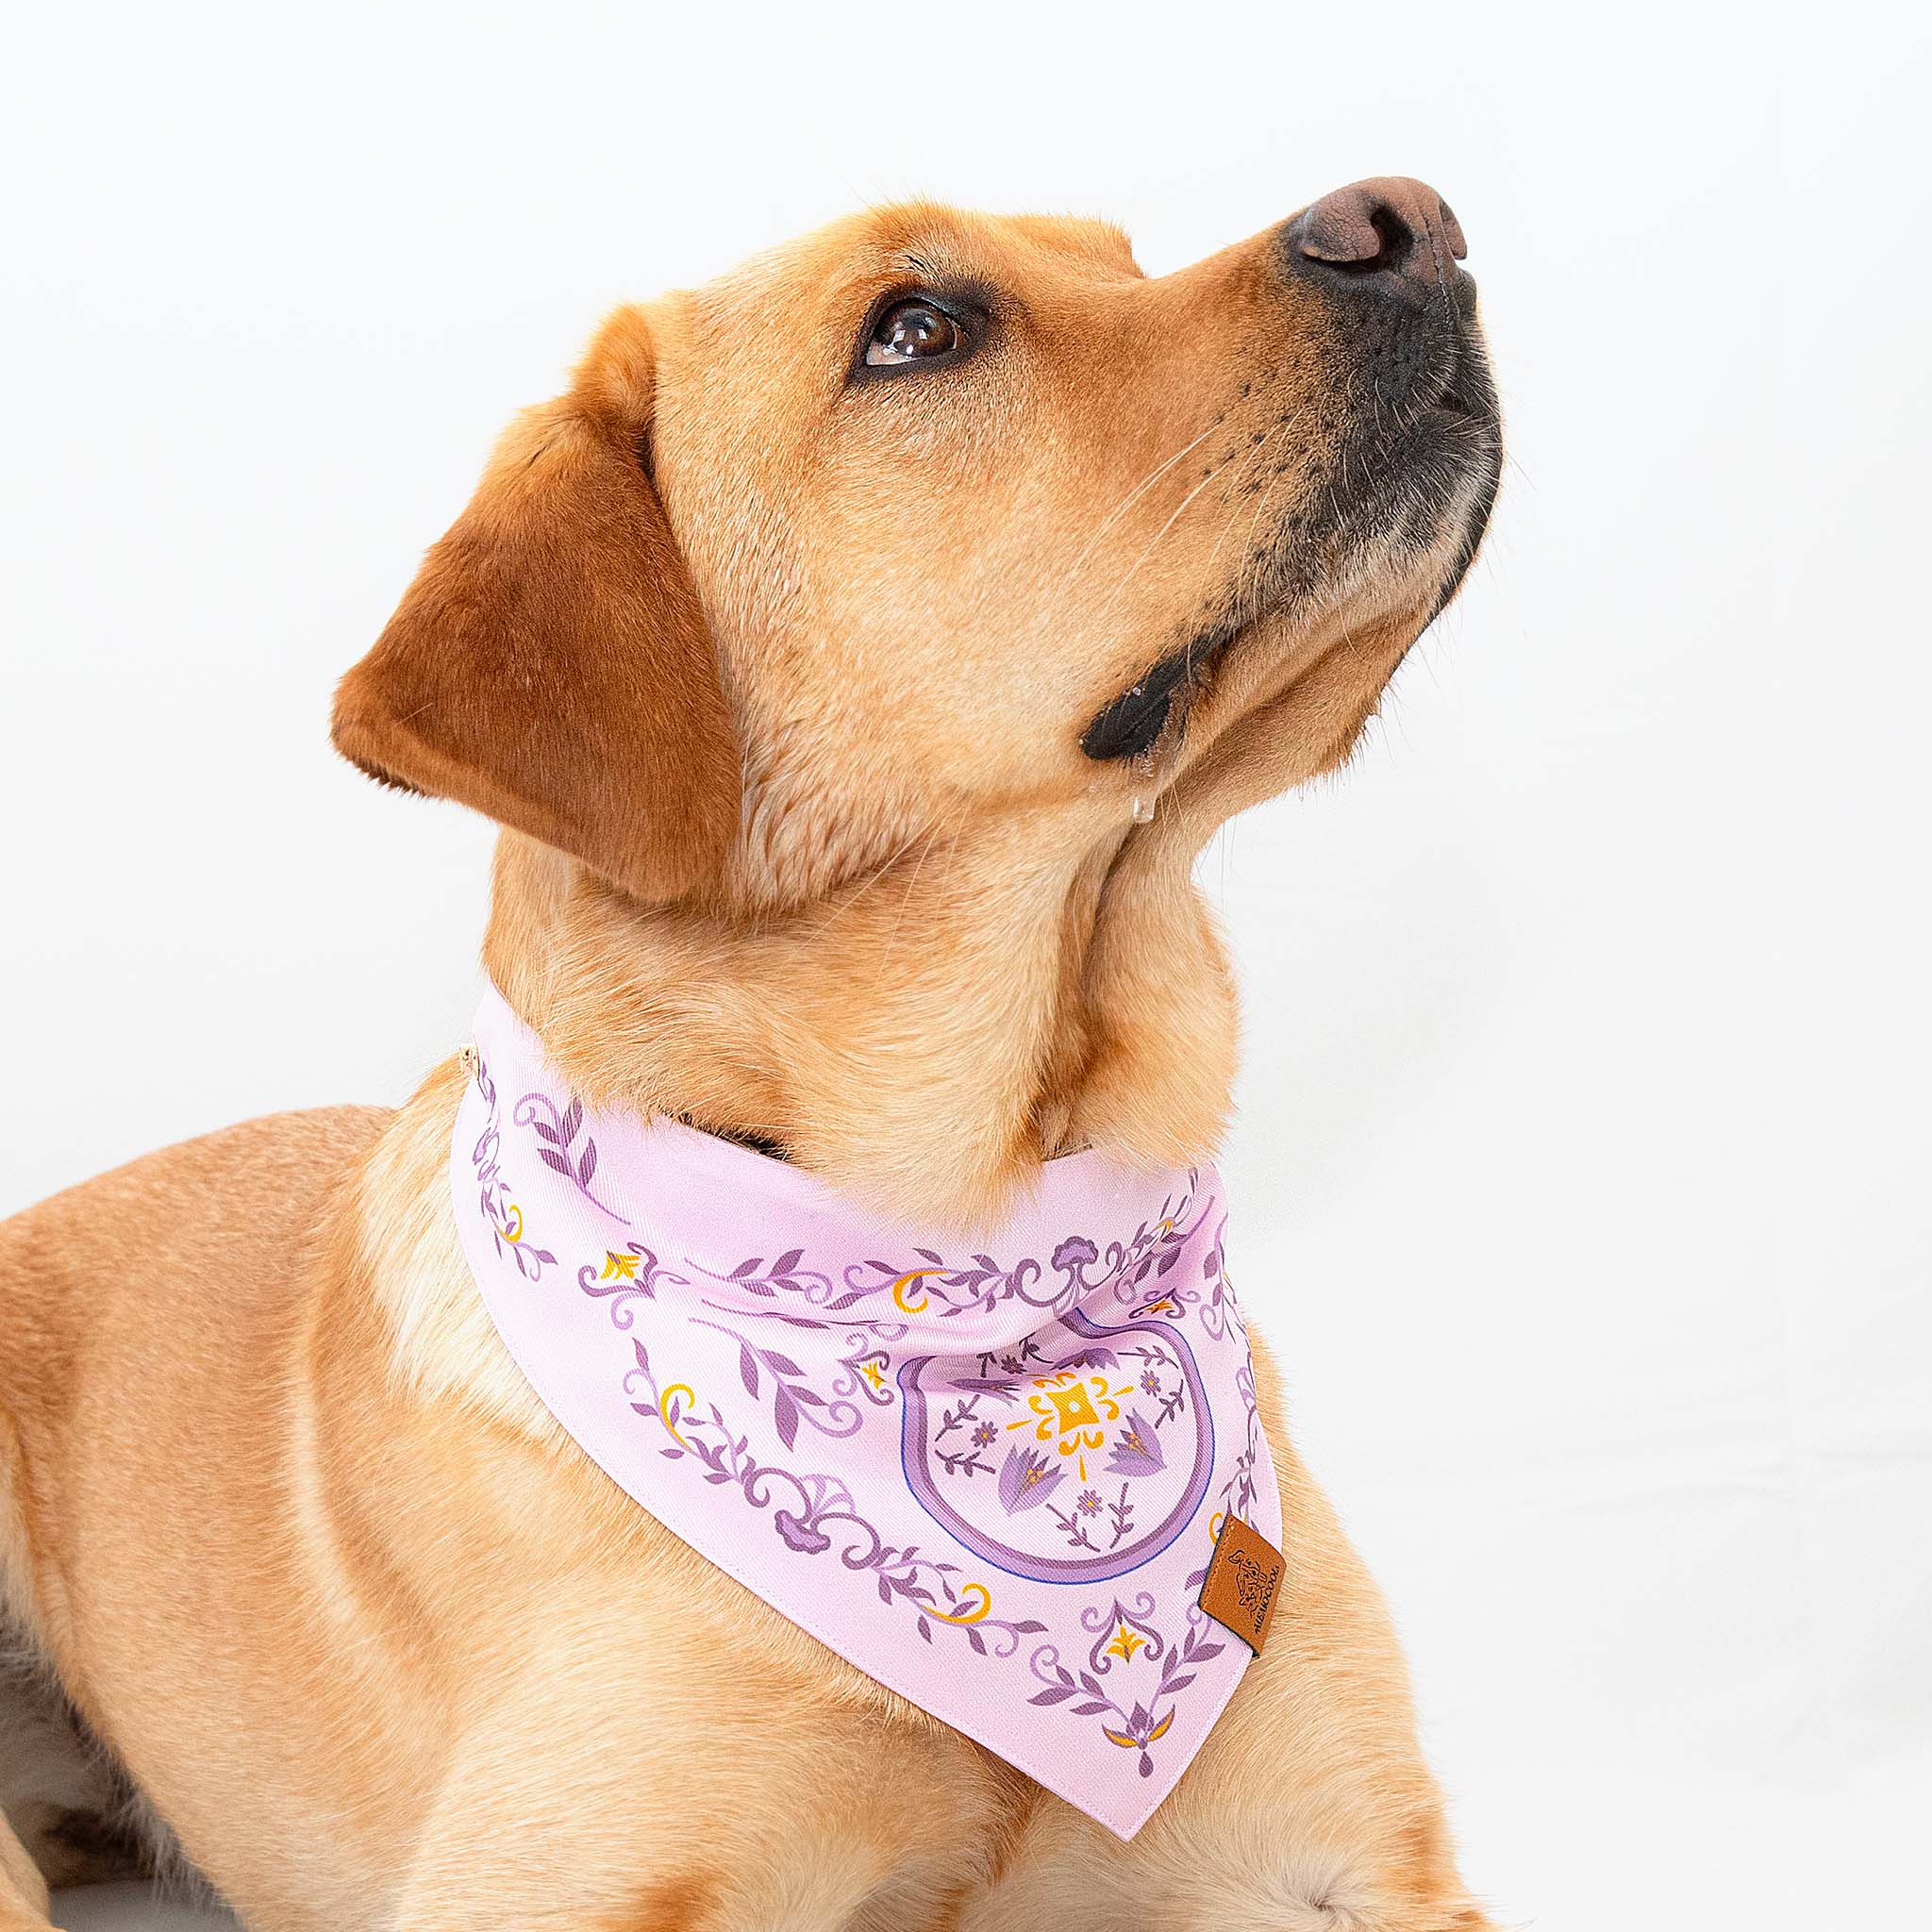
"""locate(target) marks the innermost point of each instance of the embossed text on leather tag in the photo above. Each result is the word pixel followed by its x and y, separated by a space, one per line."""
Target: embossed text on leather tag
pixel 1243 1580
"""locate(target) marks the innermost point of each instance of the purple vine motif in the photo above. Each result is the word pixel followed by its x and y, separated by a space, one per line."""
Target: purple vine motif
pixel 1218 1311
pixel 820 1515
pixel 1084 1514
pixel 1154 1250
pixel 504 1217
pixel 966 1458
pixel 627 1278
pixel 878 1332
pixel 1109 1643
pixel 1221 1312
pixel 783 1276
pixel 1238 1493
pixel 558 1130
pixel 981 1283
pixel 793 1399
pixel 1127 1637
pixel 1173 1400
pixel 1013 1362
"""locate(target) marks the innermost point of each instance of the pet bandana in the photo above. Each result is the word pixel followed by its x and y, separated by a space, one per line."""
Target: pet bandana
pixel 990 1475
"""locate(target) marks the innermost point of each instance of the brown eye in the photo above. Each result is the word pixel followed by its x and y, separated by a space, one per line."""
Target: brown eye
pixel 911 332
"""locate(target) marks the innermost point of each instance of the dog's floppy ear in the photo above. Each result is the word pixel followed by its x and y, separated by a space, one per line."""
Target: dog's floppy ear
pixel 550 665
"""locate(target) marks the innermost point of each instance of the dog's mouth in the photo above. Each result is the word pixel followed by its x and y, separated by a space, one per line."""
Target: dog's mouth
pixel 1405 475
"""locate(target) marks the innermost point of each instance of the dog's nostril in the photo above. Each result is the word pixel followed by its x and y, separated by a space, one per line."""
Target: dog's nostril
pixel 1395 231
pixel 1396 236
pixel 1393 240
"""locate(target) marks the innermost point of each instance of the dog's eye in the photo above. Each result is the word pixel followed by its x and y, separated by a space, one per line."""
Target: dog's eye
pixel 911 332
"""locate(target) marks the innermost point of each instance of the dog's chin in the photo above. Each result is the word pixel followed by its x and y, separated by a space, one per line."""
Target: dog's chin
pixel 1397 540
pixel 1393 525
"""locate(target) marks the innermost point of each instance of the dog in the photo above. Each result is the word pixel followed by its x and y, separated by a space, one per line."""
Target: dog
pixel 857 657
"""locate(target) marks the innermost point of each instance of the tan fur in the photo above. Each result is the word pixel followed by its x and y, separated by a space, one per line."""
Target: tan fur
pixel 787 719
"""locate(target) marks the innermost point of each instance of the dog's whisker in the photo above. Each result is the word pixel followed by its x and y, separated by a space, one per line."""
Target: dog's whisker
pixel 941 835
pixel 1126 576
pixel 1228 523
pixel 1126 503
pixel 856 894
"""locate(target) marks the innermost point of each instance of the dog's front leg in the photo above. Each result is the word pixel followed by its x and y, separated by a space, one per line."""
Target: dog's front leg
pixel 830 1822
pixel 820 1885
pixel 23 1891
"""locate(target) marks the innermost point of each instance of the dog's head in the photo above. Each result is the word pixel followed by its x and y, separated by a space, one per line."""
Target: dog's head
pixel 954 542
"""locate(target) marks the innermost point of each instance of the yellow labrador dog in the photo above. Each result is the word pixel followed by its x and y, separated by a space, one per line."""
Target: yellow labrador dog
pixel 857 657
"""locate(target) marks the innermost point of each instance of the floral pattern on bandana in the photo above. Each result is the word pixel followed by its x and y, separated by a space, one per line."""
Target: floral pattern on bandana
pixel 1082 1465
pixel 990 1476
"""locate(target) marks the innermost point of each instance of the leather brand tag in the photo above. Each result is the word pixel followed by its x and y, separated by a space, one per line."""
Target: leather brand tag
pixel 1243 1577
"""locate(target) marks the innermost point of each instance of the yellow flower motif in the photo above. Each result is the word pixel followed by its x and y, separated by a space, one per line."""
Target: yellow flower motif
pixel 1125 1642
pixel 872 1372
pixel 1070 1414
pixel 619 1266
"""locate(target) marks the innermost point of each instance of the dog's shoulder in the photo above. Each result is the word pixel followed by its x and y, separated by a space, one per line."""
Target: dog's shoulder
pixel 283 1157
pixel 218 1216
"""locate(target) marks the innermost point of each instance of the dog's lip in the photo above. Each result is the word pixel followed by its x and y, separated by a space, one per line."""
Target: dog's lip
pixel 1455 392
pixel 1130 724
pixel 1133 723
pixel 1462 391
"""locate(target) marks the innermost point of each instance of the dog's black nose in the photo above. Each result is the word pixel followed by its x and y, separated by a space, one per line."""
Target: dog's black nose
pixel 1392 235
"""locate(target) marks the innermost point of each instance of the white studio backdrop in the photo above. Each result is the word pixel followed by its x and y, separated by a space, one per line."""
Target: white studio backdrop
pixel 1581 1150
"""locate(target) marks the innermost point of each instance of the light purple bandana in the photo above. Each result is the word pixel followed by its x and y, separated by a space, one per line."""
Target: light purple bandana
pixel 989 1473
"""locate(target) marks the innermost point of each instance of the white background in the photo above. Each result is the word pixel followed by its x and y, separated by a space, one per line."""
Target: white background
pixel 1581 1151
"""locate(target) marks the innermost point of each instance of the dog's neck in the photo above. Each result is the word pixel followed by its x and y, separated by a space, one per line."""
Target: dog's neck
pixel 923 1040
